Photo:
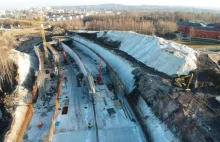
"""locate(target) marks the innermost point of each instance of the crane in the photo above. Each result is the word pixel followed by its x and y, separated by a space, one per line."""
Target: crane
pixel 41 19
pixel 99 78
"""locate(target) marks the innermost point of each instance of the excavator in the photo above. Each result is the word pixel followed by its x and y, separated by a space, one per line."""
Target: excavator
pixel 183 81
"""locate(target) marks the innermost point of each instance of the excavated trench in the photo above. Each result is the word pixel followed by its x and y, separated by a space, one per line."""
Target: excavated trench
pixel 190 116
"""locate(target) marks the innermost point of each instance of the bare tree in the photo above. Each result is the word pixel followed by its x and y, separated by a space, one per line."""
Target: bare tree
pixel 7 42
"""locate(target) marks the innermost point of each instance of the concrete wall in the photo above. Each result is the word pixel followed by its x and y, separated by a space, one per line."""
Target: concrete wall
pixel 40 77
pixel 87 74
pixel 76 58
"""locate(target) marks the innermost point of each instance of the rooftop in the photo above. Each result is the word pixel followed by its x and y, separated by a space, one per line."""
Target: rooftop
pixel 200 25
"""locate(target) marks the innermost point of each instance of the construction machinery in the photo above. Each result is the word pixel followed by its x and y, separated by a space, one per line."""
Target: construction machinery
pixel 184 81
pixel 41 19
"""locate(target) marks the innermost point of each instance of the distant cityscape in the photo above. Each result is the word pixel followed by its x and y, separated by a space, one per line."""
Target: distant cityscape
pixel 62 13
pixel 50 14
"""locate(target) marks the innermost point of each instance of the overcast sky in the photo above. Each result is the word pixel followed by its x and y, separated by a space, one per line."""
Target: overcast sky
pixel 35 3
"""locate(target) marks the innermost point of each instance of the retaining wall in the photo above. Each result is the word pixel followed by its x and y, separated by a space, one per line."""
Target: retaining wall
pixel 76 58
pixel 87 74
pixel 40 78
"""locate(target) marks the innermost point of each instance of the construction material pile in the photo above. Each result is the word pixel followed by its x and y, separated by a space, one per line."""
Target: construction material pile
pixel 164 56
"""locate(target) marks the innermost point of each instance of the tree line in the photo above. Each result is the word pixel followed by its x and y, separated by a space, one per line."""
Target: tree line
pixel 152 23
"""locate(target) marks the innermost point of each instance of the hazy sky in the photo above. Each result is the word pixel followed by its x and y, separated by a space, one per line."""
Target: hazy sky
pixel 35 3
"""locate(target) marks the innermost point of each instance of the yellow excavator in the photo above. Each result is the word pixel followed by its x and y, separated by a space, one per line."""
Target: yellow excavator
pixel 182 81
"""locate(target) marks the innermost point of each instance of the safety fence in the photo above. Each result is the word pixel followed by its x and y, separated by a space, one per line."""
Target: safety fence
pixel 25 109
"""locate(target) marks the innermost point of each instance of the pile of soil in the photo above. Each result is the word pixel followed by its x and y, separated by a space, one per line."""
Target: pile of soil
pixel 112 44
pixel 187 115
pixel 103 41
pixel 205 63
pixel 208 75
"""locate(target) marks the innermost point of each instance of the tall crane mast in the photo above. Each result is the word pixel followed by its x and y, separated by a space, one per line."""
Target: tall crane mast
pixel 41 18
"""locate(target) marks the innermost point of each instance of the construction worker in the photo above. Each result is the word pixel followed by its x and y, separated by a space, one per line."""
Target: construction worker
pixel 89 125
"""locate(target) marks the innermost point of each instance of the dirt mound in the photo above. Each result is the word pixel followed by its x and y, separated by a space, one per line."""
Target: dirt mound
pixel 188 115
pixel 204 62
pixel 208 81
pixel 208 75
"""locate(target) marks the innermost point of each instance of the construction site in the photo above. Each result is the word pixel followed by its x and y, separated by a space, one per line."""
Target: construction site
pixel 111 86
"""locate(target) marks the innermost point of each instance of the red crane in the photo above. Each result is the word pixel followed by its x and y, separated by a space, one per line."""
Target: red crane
pixel 64 54
pixel 99 78
pixel 64 58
